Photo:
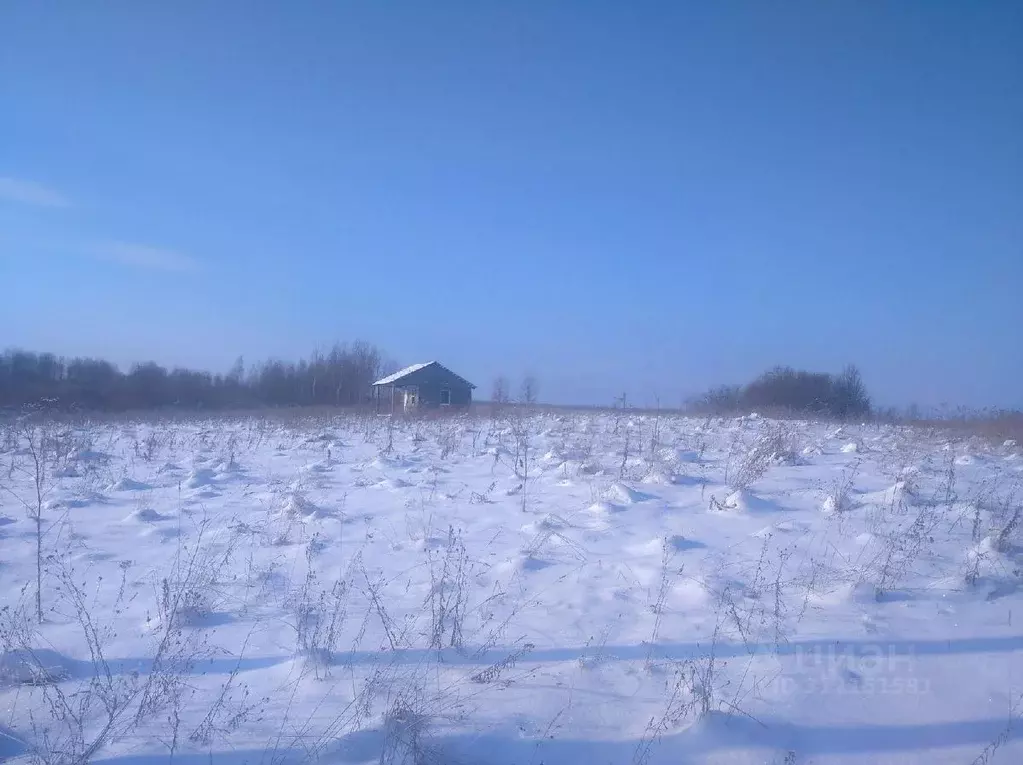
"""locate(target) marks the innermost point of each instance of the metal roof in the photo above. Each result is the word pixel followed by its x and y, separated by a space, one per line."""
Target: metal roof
pixel 402 373
pixel 397 376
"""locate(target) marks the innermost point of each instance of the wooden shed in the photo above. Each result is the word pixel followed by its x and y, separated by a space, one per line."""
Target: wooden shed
pixel 422 387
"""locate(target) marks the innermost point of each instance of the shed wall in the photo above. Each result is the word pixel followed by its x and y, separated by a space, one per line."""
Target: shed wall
pixel 431 381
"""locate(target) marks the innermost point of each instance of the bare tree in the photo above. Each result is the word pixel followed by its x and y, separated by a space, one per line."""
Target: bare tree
pixel 527 394
pixel 236 375
pixel 499 394
pixel 36 441
pixel 499 397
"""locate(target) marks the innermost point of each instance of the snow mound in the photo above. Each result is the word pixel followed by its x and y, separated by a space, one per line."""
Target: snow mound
pixel 569 468
pixel 431 542
pixel 148 515
pixel 549 522
pixel 320 437
pixel 850 448
pixel 129 484
pixel 737 500
pixel 226 466
pixel 393 484
pixel 651 547
pixel 681 544
pixel 529 562
pixel 830 505
pixel 387 463
pixel 857 593
pixel 787 527
pixel 87 498
pixel 761 597
pixel 626 495
pixel 604 508
pixel 786 458
pixel 659 478
pixel 322 466
pixel 783 527
pixel 690 594
pixel 743 501
pixel 898 494
pixel 993 570
pixel 89 455
pixel 297 504
pixel 163 533
pixel 199 477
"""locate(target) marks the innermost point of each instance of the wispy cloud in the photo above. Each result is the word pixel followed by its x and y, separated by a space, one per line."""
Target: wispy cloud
pixel 31 193
pixel 144 256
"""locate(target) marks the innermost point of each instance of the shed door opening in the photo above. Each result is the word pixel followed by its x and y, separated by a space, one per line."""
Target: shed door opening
pixel 411 398
pixel 445 397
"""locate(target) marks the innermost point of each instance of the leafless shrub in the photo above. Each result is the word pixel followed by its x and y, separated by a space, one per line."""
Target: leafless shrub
pixel 149 447
pixel 232 707
pixel 389 447
pixel 627 443
pixel 449 593
pixel 373 592
pixel 669 576
pixel 695 689
pixel 522 454
pixel 746 608
pixel 493 672
pixel 320 615
pixel 475 432
pixel 681 704
pixel 1004 735
pixel 73 720
pixel 903 545
pixel 282 513
pixel 447 439
pixel 839 498
pixel 406 725
pixel 752 463
pixel 8 437
pixel 482 498
pixel 43 450
pixel 655 431
pixel 1009 522
pixel 194 589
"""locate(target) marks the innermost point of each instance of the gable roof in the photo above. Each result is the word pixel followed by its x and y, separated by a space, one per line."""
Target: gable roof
pixel 410 370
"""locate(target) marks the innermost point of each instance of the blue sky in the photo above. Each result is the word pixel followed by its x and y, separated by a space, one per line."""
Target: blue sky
pixel 652 197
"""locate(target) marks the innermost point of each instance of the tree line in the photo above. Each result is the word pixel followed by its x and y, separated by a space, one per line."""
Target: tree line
pixel 343 376
pixel 792 391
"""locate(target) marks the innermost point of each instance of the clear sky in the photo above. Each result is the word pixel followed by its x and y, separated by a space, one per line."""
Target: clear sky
pixel 647 196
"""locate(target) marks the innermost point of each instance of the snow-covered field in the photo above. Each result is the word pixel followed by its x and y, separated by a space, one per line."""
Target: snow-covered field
pixel 552 588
